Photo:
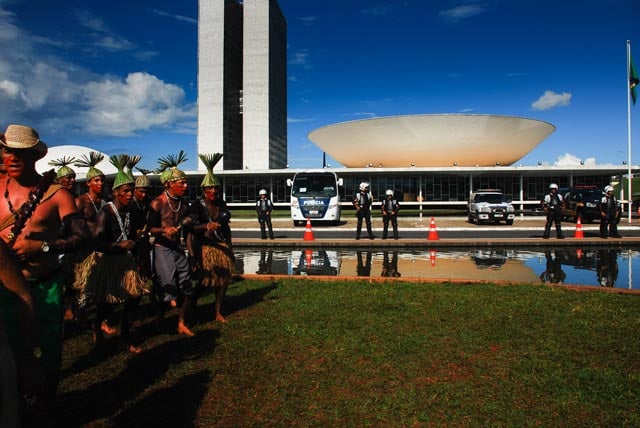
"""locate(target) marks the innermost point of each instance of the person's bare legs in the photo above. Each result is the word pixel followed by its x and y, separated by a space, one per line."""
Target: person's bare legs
pixel 182 325
pixel 220 293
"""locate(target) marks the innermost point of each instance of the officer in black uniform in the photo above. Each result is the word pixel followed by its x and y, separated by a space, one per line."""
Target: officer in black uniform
pixel 552 205
pixel 390 207
pixel 264 206
pixel 610 214
pixel 362 202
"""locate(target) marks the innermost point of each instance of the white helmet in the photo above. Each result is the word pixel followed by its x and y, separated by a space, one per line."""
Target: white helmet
pixel 262 192
pixel 389 192
pixel 608 189
pixel 364 186
pixel 553 186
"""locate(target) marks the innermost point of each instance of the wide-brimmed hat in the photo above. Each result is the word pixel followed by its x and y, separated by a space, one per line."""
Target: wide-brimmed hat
pixel 22 137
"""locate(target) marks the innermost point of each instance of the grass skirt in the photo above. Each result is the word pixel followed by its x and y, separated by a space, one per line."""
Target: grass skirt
pixel 217 265
pixel 110 278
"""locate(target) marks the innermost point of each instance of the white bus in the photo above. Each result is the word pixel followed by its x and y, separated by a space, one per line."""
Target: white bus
pixel 314 196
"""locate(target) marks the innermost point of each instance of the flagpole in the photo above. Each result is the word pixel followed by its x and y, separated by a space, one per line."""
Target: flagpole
pixel 629 129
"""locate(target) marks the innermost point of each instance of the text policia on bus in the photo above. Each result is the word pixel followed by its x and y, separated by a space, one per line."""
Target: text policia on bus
pixel 314 196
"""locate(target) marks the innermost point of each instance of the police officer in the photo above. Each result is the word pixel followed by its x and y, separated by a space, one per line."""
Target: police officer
pixel 390 207
pixel 362 202
pixel 264 206
pixel 552 205
pixel 609 214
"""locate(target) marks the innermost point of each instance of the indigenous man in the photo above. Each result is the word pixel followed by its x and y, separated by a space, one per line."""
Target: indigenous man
pixel 113 274
pixel 210 240
pixel 139 212
pixel 65 176
pixel 167 216
pixel 89 203
pixel 30 222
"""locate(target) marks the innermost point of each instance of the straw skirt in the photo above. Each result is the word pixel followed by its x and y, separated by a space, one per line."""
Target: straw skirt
pixel 217 265
pixel 110 278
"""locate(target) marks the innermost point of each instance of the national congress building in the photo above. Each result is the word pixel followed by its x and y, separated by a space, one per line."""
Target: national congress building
pixel 437 159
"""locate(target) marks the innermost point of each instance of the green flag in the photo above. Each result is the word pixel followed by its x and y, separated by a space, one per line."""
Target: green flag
pixel 633 80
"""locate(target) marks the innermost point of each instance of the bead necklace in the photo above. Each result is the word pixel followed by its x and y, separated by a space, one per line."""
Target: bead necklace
pixel 95 207
pixel 6 196
pixel 169 198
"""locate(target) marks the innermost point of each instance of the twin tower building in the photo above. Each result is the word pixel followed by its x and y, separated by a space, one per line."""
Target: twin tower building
pixel 242 83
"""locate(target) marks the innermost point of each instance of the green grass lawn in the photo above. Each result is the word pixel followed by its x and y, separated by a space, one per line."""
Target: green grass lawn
pixel 316 353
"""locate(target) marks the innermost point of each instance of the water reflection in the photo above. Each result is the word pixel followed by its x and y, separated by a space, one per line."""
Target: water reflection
pixel 607 267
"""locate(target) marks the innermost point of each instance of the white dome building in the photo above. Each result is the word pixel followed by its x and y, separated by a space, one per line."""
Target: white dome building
pixel 77 152
pixel 431 140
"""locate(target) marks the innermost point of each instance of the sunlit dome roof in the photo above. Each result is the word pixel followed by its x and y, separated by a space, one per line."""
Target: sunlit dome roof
pixel 58 152
pixel 431 140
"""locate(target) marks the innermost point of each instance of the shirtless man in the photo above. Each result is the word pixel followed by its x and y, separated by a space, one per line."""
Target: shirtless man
pixel 89 203
pixel 167 216
pixel 20 374
pixel 37 245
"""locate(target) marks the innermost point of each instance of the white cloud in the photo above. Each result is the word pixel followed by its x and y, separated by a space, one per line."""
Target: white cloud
pixel 66 101
pixel 180 18
pixel 572 160
pixel 300 58
pixel 551 100
pixel 140 102
pixel 307 20
pixel 298 120
pixel 461 12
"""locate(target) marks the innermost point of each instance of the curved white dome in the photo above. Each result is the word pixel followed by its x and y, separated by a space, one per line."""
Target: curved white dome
pixel 58 152
pixel 437 140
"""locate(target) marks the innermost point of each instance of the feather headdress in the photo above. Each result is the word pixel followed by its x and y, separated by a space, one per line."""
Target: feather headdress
pixel 64 170
pixel 209 161
pixel 90 162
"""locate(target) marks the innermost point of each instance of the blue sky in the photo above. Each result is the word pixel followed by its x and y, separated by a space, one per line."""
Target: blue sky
pixel 121 76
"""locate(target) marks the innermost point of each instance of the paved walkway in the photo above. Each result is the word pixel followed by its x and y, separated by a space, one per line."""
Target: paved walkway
pixel 534 224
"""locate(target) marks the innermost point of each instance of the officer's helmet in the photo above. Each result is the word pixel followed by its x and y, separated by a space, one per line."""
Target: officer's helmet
pixel 608 189
pixel 553 186
pixel 262 192
pixel 389 192
pixel 364 186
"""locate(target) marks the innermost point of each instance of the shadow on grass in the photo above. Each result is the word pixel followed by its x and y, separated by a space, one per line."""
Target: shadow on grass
pixel 205 313
pixel 174 406
pixel 103 399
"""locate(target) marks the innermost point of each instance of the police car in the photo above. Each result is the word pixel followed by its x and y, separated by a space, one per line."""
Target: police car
pixel 490 206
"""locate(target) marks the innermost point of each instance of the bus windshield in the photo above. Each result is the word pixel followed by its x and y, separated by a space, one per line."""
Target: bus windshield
pixel 314 185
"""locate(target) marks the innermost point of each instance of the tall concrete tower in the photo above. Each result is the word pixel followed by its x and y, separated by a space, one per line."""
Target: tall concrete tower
pixel 242 83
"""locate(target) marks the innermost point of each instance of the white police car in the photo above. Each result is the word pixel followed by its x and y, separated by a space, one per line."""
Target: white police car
pixel 490 206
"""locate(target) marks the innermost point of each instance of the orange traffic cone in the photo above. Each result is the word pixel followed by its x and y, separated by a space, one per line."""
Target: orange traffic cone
pixel 579 253
pixel 308 233
pixel 433 233
pixel 308 257
pixel 432 257
pixel 579 233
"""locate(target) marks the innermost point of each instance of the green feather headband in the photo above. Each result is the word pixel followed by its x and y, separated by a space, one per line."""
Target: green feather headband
pixel 209 161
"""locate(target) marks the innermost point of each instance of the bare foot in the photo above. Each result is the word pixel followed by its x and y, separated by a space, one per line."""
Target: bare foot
pixel 221 319
pixel 183 329
pixel 107 329
pixel 134 349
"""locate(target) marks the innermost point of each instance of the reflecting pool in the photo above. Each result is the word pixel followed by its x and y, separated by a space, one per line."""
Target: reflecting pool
pixel 598 266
